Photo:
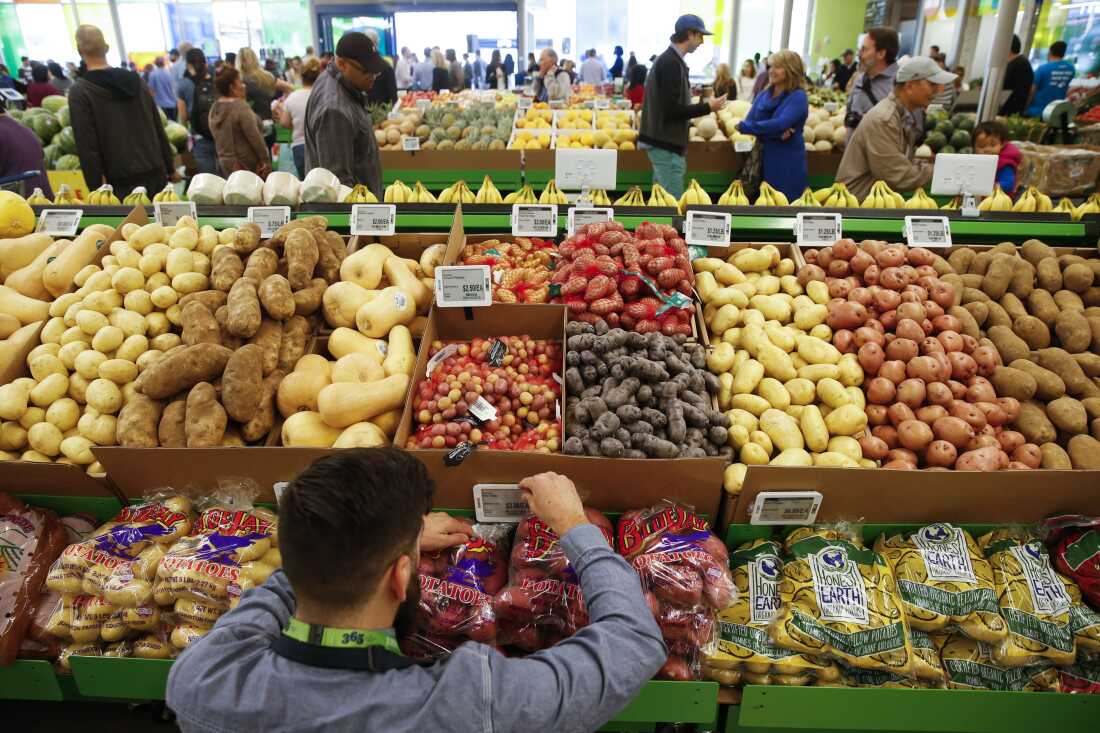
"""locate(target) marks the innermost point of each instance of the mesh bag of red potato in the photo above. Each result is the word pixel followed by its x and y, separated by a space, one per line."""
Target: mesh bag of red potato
pixel 684 570
pixel 1074 545
pixel 456 593
pixel 543 603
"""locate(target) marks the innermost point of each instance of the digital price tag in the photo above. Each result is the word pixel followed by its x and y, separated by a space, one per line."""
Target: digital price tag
pixel 743 146
pixel 557 104
pixel 373 219
pixel 786 507
pixel 169 212
pixel 707 228
pixel 581 215
pixel 395 116
pixel 534 220
pixel 928 231
pixel 524 103
pixel 499 503
pixel 410 143
pixel 59 222
pixel 817 228
pixel 463 286
pixel 268 218
pixel 603 103
pixel 11 95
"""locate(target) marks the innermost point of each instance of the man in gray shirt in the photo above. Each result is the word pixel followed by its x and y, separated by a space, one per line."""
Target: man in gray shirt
pixel 877 68
pixel 314 648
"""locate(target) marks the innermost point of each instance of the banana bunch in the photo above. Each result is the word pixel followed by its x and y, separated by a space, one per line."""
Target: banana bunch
pixel 599 197
pixel 1089 206
pixel 65 195
pixel 883 197
pixel 770 197
pixel 361 195
pixel 422 195
pixel 551 194
pixel 457 193
pixel 807 199
pixel 837 196
pixel 658 196
pixel 633 197
pixel 167 194
pixel 952 205
pixel 525 195
pixel 996 201
pixel 103 196
pixel 1065 206
pixel 694 194
pixel 734 196
pixel 37 198
pixel 398 193
pixel 137 197
pixel 920 200
pixel 488 193
pixel 1033 201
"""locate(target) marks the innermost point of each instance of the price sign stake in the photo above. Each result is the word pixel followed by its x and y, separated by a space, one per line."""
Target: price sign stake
pixel 707 228
pixel 463 286
pixel 581 215
pixel 817 228
pixel 534 220
pixel 59 222
pixel 268 218
pixel 378 220
pixel 928 231
pixel 168 213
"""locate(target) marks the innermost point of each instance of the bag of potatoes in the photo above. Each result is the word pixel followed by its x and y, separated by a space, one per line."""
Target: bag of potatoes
pixel 970 665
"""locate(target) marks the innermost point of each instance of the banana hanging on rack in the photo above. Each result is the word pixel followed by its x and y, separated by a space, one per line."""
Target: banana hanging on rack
pixel 65 195
pixel 807 199
pixel 1091 205
pixel 694 195
pixel 104 196
pixel 137 197
pixel 770 196
pixel 422 195
pixel 166 194
pixel 1000 201
pixel 920 200
pixel 734 195
pixel 37 198
pixel 488 193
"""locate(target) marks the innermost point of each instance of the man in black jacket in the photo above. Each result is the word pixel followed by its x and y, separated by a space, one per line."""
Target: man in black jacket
pixel 667 106
pixel 1018 79
pixel 119 135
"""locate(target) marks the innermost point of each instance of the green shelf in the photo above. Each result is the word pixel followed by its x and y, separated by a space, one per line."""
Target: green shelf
pixel 121 678
pixel 30 679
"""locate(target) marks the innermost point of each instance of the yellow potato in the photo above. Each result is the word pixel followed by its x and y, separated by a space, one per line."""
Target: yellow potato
pixel 801 391
pixel 816 351
pixel 846 420
pixel 750 403
pixel 773 308
pixel 729 274
pixel 726 317
pixel 817 372
pixel 734 477
pixel 793 457
pixel 784 432
pixel 832 393
pixel 779 335
pixel 763 440
pixel 743 418
pixel 777 363
pixel 818 292
pixel 738 435
pixel 108 339
pixel 720 358
pixel 774 392
pixel 814 428
pixel 845 445
pixel 753 454
pixel 834 460
pixel 49 390
pixel 767 284
pixel 810 316
pixel 747 377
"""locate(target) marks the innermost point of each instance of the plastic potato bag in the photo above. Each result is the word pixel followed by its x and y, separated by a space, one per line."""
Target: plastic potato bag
pixel 745 653
pixel 839 599
pixel 281 189
pixel 970 665
pixel 1074 545
pixel 542 603
pixel 944 579
pixel 206 188
pixel 1082 678
pixel 926 658
pixel 243 188
pixel 684 571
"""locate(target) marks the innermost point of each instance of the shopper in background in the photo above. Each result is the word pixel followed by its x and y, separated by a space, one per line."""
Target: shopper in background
pixel 509 69
pixel 441 76
pixel 881 148
pixel 1051 80
pixel 494 72
pixel 25 68
pixel 196 98
pixel 309 55
pixel 532 64
pixel 339 131
pixel 20 152
pixel 761 80
pixel 631 62
pixel 402 70
pixel 58 78
pixel 291 113
pixel 6 80
pixel 467 72
pixel 314 648
pixel 422 72
pixel 570 68
pixel 616 70
pixel 179 64
pixel 40 86
pixel 454 71
pixel 724 85
pixel 146 72
pixel 845 70
pixel 828 73
pixel 946 98
pixel 231 59
pixel 776 118
pixel 746 80
pixel 238 132
pixel 293 72
pixel 163 87
pixel 991 138
pixel 119 137
pixel 551 81
pixel 384 90
pixel 592 69
pixel 260 85
pixel 875 81
pixel 479 70
pixel 635 85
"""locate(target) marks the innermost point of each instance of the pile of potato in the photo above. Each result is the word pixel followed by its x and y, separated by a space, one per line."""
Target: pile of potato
pixel 792 398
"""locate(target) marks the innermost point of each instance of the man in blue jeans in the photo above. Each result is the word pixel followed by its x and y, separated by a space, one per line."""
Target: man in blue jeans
pixel 667 107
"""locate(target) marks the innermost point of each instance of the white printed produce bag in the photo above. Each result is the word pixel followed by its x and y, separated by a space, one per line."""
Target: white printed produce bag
pixel 320 186
pixel 244 188
pixel 206 188
pixel 281 189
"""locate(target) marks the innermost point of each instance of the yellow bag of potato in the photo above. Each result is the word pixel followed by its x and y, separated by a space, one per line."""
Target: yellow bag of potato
pixel 1034 599
pixel 944 579
pixel 838 599
pixel 970 665
pixel 79 649
pixel 926 658
pixel 853 677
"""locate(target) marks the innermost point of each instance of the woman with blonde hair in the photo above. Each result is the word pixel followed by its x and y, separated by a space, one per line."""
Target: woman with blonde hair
pixel 746 80
pixel 776 118
pixel 441 75
pixel 259 84
pixel 723 82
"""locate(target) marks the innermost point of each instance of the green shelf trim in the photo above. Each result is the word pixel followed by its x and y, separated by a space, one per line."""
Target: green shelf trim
pixel 29 679
pixel 780 228
pixel 121 678
pixel 685 702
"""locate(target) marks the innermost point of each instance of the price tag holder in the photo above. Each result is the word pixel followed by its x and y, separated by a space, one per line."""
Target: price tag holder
pixel 11 95
pixel 410 143
pixel 524 103
pixel 603 103
pixel 743 146
pixel 268 218
pixel 928 231
pixel 378 220
pixel 581 215
pixel 463 286
pixel 817 228
pixel 499 503
pixel 534 220
pixel 169 212
pixel 395 116
pixel 707 228
pixel 786 507
pixel 59 222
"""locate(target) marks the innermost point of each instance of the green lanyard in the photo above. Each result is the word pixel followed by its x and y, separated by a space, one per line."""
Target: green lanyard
pixel 328 636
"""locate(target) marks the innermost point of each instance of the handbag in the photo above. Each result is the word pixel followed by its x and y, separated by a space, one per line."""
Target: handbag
pixel 752 172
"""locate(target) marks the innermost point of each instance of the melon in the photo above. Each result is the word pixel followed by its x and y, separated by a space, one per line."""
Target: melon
pixel 823 146
pixel 393 136
pixel 16 216
pixel 808 134
pixel 707 127
pixel 840 135
pixel 823 131
pixel 739 108
pixel 960 139
pixel 935 140
pixel 810 147
pixel 923 152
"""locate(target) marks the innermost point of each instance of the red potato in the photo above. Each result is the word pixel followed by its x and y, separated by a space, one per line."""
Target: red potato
pixel 1010 440
pixel 979 389
pixel 809 273
pixel 886 300
pixel 954 430
pixel 946 323
pixel 912 310
pixel 890 257
pixel 892 277
pixel 985 441
pixel 902 454
pixel 870 275
pixel 854 281
pixel 824 257
pixel 845 314
pixel 963 365
pixel 911 392
pixel 981 459
pixel 943 294
pixel 881 391
pixel 899 466
pixel 958 389
pixel 986 358
pixel 968 413
pixel 969 344
pixel 926 326
pixel 894 370
pixel 872 246
pixel 950 340
pixel 928 275
pixel 889 321
pixel 1011 407
pixel 810 255
pixel 920 256
pixel 1017 466
pixel 899 413
pixel 929 345
pixel 940 453
pixel 888 434
pixel 862 296
pixel 930 413
pixel 861 261
pixel 876 415
pixel 868 334
pixel 943 365
pixel 839 288
pixel 901 349
pixel 907 328
pixel 838 268
pixel 1028 454
pixel 995 417
pixel 939 394
pixel 870 357
pixel 844 341
pixel 925 368
pixel 873 447
pixel 914 435
pixel 877 325
pixel 845 249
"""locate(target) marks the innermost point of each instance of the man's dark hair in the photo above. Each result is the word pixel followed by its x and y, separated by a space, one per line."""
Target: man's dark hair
pixel 637 75
pixel 934 49
pixel 427 53
pixel 848 52
pixel 886 39
pixel 1016 45
pixel 197 59
pixel 230 58
pixel 679 37
pixel 1058 48
pixel 40 73
pixel 225 79
pixel 990 128
pixel 344 519
pixel 55 69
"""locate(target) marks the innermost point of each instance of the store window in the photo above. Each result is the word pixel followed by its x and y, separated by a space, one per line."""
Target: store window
pixel 40 23
pixel 420 30
pixel 1077 22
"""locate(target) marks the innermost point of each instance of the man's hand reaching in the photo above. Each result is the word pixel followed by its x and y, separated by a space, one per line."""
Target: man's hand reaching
pixel 441 531
pixel 553 498
pixel 717 103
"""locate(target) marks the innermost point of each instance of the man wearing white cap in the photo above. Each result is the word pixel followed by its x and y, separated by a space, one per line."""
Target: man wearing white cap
pixel 881 148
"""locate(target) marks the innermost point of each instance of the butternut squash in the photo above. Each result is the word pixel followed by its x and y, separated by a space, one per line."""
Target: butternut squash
pixel 314 363
pixel 341 301
pixel 21 251
pixel 298 392
pixel 59 273
pixel 26 309
pixel 398 273
pixel 361 435
pixel 308 430
pixel 388 422
pixel 400 356
pixel 345 403
pixel 9 324
pixel 344 341
pixel 357 367
pixel 432 258
pixel 364 267
pixel 395 306
pixel 28 279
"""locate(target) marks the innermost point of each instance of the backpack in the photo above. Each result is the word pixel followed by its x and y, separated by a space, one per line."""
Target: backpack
pixel 200 107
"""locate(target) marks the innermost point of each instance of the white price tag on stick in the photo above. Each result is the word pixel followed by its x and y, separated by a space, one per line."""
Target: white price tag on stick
pixel 499 503
pixel 379 220
pixel 268 218
pixel 524 103
pixel 786 507
pixel 743 146
pixel 581 215
pixel 410 143
pixel 817 228
pixel 463 286
pixel 534 220
pixel 707 228
pixel 928 231
pixel 168 213
pixel 59 222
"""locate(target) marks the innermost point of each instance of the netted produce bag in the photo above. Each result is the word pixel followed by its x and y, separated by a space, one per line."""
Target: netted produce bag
pixel 684 571
pixel 746 654
pixel 971 665
pixel 1043 609
pixel 456 593
pixel 542 603
pixel 944 580
pixel 839 599
pixel 1082 678
pixel 1074 545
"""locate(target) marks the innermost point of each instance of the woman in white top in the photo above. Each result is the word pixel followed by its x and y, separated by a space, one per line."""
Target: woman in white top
pixel 745 80
pixel 290 111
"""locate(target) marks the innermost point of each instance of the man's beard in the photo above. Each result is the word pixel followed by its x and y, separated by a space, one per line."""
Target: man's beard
pixel 405 622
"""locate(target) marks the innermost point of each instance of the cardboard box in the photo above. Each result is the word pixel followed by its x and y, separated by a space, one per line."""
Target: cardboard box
pixel 434 160
pixel 411 245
